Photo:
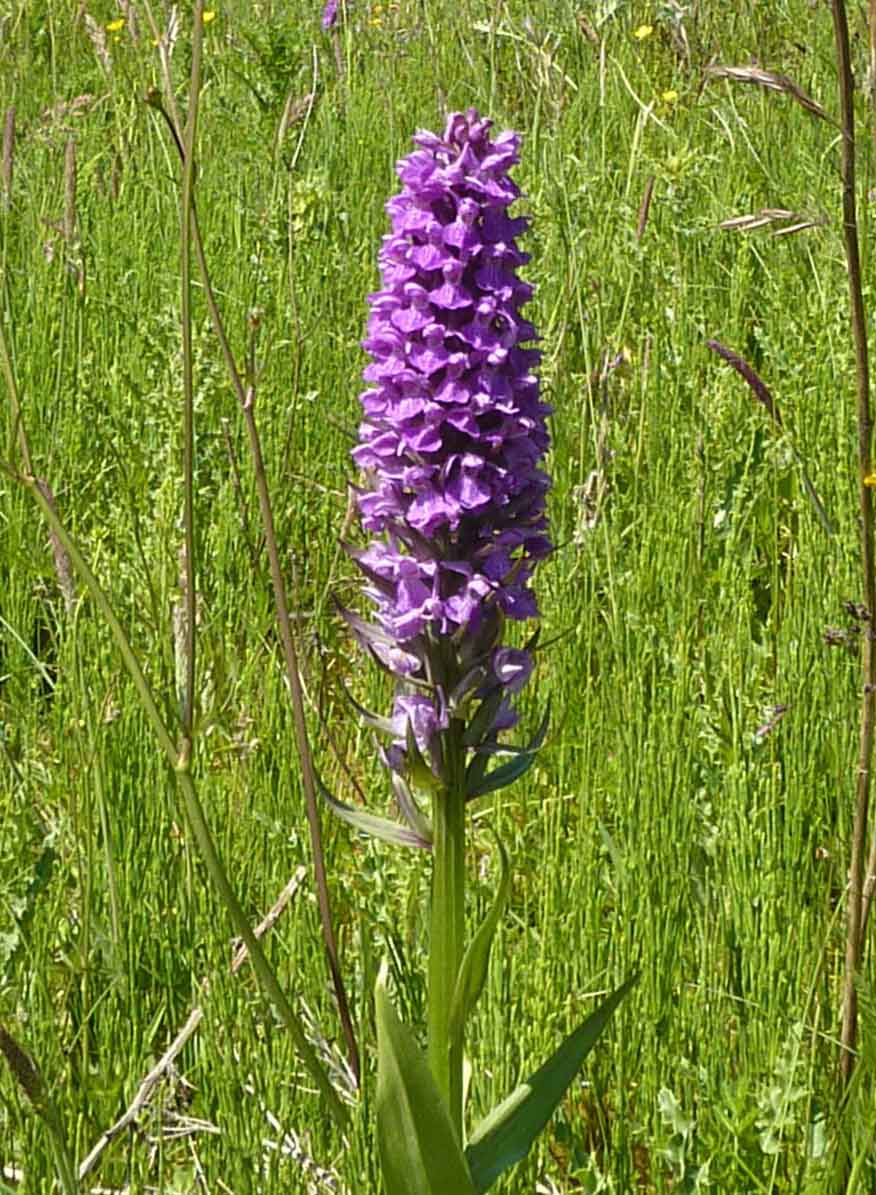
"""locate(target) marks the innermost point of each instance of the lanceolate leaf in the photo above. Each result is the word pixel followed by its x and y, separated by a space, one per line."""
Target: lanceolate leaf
pixel 473 972
pixel 369 823
pixel 410 810
pixel 479 785
pixel 502 776
pixel 419 1152
pixel 507 1133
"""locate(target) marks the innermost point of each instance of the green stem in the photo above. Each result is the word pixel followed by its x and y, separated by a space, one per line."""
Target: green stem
pixel 246 400
pixel 268 980
pixel 448 925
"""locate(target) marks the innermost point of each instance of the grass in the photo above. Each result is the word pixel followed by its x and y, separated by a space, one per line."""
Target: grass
pixel 659 829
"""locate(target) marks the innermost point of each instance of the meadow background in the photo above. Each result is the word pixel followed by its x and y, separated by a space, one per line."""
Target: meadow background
pixel 675 822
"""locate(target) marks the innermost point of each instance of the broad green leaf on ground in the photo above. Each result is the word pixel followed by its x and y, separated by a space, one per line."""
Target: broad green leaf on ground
pixel 506 1134
pixel 419 1152
pixel 473 972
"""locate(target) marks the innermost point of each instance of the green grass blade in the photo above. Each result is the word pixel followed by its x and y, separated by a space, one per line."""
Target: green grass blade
pixel 507 1133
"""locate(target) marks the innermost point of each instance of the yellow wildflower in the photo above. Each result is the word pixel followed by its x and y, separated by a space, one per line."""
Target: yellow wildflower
pixel 642 32
pixel 870 480
pixel 209 15
pixel 116 26
pixel 670 96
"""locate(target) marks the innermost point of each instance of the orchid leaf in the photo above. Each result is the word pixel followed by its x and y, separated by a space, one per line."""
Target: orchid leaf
pixel 410 810
pixel 369 823
pixel 478 784
pixel 473 679
pixel 507 1133
pixel 473 972
pixel 475 773
pixel 421 773
pixel 419 1151
pixel 374 721
pixel 366 632
pixel 482 722
pixel 501 776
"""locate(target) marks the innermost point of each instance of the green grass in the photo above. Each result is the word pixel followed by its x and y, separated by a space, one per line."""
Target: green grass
pixel 658 831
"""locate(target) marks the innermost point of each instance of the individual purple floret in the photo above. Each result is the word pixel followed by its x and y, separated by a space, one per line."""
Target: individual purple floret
pixel 330 14
pixel 452 435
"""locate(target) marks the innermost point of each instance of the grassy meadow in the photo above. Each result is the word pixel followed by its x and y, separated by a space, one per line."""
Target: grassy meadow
pixel 690 813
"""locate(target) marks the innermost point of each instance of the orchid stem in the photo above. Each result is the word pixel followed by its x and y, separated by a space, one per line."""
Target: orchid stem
pixel 448 926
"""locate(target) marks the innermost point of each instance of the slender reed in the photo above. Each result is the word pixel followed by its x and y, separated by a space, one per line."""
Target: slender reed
pixel 855 919
pixel 246 400
pixel 188 569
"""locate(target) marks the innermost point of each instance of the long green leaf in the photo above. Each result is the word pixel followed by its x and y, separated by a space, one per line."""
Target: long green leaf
pixel 478 785
pixel 501 777
pixel 473 972
pixel 419 1152
pixel 506 1134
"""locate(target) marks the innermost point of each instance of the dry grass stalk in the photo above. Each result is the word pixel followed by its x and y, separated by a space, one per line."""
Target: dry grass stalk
pixel 791 221
pixel 764 396
pixel 97 37
pixel 8 155
pixel 63 566
pixel 293 112
pixel 130 14
pixel 758 386
pixel 24 1069
pixel 587 30
pixel 771 81
pixel 70 192
pixel 70 227
pixel 165 1064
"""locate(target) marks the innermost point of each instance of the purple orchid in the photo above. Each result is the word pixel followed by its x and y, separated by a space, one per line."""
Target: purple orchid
pixel 451 440
pixel 330 14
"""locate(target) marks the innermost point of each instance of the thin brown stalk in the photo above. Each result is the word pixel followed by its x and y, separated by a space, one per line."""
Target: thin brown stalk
pixel 246 401
pixel 70 192
pixel 645 207
pixel 855 919
pixel 237 486
pixel 188 570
